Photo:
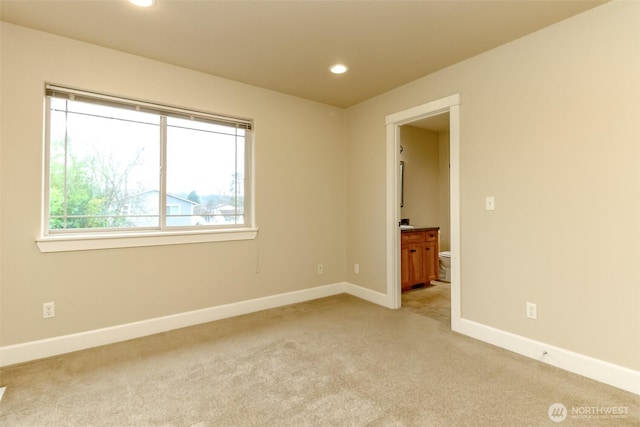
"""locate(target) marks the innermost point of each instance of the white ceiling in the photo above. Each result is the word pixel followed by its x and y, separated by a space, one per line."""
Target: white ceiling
pixel 288 46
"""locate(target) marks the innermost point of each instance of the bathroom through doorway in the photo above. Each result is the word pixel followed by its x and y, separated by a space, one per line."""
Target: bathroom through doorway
pixel 420 117
pixel 425 236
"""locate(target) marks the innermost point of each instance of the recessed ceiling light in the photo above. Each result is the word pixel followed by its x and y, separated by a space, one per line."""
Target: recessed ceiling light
pixel 143 3
pixel 338 69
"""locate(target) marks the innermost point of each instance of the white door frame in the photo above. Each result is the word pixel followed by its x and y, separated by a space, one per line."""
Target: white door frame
pixel 450 104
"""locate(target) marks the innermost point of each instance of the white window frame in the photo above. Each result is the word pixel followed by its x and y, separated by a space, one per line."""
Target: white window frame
pixel 92 240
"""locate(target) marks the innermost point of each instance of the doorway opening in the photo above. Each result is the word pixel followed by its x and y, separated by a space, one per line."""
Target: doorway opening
pixel 425 263
pixel 420 116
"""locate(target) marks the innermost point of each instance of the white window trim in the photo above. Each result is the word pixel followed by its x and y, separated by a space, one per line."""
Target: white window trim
pixel 131 239
pixel 95 241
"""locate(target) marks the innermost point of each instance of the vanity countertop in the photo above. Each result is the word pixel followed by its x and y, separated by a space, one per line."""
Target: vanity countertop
pixel 417 228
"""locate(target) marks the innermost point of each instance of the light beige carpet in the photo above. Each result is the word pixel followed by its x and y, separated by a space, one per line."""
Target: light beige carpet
pixel 336 361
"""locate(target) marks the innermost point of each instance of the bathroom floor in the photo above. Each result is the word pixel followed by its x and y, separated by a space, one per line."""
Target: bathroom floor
pixel 432 301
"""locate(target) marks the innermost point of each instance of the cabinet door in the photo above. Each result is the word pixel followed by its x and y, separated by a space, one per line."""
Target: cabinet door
pixel 416 264
pixel 412 265
pixel 420 267
pixel 430 251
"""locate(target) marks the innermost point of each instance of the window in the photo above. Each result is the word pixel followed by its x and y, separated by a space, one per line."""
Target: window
pixel 173 210
pixel 120 166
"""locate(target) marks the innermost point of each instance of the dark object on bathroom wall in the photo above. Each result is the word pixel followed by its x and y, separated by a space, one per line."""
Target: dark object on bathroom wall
pixel 401 184
pixel 404 221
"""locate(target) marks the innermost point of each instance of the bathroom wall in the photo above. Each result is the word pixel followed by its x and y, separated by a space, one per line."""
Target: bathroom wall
pixel 420 154
pixel 426 179
pixel 444 211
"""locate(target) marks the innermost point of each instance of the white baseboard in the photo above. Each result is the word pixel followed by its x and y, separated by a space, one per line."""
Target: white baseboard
pixel 33 350
pixel 595 369
pixel 367 294
pixel 605 372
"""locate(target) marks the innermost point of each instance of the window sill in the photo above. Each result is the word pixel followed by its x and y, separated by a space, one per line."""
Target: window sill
pixel 85 242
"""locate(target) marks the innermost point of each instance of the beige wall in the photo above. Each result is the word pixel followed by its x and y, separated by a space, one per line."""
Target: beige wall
pixel 300 203
pixel 420 155
pixel 444 200
pixel 550 126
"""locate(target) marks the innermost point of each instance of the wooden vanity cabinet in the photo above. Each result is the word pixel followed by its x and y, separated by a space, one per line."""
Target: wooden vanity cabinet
pixel 418 257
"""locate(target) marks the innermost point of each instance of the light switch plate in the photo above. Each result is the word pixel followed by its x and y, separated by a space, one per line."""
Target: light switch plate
pixel 490 203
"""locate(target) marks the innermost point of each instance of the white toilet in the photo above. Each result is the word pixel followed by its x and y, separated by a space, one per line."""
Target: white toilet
pixel 445 266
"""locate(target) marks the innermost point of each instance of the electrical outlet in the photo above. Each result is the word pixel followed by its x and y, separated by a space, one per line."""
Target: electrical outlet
pixel 48 310
pixel 356 268
pixel 532 311
pixel 320 269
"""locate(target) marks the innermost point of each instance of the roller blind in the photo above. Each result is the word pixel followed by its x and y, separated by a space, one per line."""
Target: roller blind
pixel 147 107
